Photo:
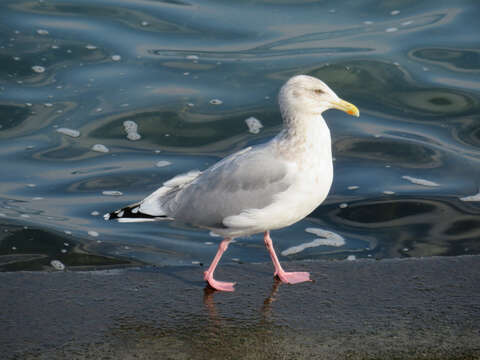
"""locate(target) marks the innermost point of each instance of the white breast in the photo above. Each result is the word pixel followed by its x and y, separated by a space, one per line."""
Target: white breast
pixel 311 171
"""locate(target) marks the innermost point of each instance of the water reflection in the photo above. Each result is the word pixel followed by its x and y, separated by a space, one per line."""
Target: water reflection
pixel 390 152
pixel 453 59
pixel 22 248
pixel 14 116
pixel 261 333
pixel 440 226
pixel 438 102
pixel 216 329
pixel 468 131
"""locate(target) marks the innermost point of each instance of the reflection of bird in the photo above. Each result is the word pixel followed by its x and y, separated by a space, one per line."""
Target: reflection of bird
pixel 259 188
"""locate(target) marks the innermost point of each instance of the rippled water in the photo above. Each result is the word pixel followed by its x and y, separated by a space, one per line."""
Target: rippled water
pixel 188 74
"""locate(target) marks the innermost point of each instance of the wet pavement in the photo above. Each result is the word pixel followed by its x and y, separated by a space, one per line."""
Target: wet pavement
pixel 427 308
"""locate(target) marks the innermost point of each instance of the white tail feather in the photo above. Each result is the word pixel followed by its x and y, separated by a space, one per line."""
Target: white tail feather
pixel 131 220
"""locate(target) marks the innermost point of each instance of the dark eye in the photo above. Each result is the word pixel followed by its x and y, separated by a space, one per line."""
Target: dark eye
pixel 318 91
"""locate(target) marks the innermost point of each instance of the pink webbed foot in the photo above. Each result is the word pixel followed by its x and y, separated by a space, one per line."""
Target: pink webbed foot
pixel 208 275
pixel 219 285
pixel 285 277
pixel 293 277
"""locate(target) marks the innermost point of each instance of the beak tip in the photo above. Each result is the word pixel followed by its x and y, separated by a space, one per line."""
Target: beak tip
pixel 347 107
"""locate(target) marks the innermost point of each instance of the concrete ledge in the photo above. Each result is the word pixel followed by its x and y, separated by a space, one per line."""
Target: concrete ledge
pixel 391 309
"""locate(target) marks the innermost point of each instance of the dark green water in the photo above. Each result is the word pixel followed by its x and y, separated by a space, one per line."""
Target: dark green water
pixel 411 67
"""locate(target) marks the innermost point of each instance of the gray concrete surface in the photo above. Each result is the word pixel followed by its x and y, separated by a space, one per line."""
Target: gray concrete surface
pixel 391 309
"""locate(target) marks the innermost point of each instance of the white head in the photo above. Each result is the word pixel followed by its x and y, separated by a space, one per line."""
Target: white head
pixel 304 94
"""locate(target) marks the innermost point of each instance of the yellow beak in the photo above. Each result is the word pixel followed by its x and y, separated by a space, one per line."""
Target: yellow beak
pixel 346 106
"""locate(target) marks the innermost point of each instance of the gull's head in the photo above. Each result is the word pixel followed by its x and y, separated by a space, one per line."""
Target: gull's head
pixel 304 94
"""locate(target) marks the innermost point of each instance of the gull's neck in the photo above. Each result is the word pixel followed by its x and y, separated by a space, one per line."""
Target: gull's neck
pixel 306 126
pixel 306 133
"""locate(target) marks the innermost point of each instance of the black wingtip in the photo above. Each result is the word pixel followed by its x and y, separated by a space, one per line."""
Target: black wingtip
pixel 128 212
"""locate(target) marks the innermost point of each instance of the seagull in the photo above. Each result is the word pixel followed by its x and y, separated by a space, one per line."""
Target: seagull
pixel 259 188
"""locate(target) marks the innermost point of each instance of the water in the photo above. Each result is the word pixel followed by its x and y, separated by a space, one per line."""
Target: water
pixel 188 74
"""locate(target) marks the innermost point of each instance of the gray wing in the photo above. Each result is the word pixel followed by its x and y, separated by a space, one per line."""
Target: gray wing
pixel 248 179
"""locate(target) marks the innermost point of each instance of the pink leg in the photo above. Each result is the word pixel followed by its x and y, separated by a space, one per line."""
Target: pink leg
pixel 286 277
pixel 208 275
